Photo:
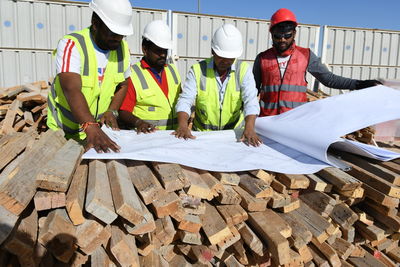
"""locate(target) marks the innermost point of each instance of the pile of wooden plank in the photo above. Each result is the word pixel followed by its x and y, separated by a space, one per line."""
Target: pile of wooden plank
pixel 57 209
pixel 23 107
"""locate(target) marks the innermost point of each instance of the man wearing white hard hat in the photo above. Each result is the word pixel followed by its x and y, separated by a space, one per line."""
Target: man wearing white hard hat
pixel 154 85
pixel 92 68
pixel 222 89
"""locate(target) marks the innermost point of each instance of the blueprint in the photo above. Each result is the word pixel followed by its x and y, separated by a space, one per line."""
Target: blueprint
pixel 295 142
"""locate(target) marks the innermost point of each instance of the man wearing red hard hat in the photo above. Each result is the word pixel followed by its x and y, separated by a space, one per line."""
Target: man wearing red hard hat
pixel 280 72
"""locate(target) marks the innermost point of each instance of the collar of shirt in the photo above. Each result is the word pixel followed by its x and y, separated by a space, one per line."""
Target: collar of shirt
pixel 156 74
pixel 222 82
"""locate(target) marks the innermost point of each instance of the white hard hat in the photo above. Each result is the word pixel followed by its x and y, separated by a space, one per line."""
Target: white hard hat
pixel 159 33
pixel 227 42
pixel 116 14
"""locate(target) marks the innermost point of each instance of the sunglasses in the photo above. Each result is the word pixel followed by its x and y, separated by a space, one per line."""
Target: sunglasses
pixel 282 35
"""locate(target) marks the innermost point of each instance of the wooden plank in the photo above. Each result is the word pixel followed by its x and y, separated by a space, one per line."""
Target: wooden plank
pixel 392 222
pixel 214 226
pixel 318 257
pixel 232 261
pixel 251 239
pixel 99 257
pixel 58 229
pixel 278 222
pixel 394 254
pixel 300 233
pixel 228 196
pixel 277 244
pixel 227 178
pixel 239 252
pixel 147 225
pixel 126 200
pixel 370 232
pixel 319 201
pixel 190 238
pixel 249 202
pixel 19 188
pixel 98 197
pixel 293 181
pixel 170 175
pixel 91 234
pixel 123 247
pixel 190 223
pixel 343 215
pixel 8 121
pixel 232 214
pixel 14 145
pixel 197 187
pixel 56 175
pixel 278 187
pixel 230 240
pixel 315 223
pixel 263 175
pixel 164 233
pixel 343 248
pixel 380 171
pixel 179 260
pixel 293 205
pixel 374 181
pixel 368 260
pixel 380 197
pixel 28 118
pixel 215 185
pixel 279 200
pixel 317 184
pixel 390 165
pixel 48 200
pixel 144 180
pixel 167 204
pixel 256 187
pixel 339 179
pixel 22 241
pixel 75 198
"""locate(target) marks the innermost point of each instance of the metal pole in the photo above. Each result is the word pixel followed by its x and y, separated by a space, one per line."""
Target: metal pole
pixel 198 6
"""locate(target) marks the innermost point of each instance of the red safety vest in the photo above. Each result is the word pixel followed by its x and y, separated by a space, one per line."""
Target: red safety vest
pixel 278 94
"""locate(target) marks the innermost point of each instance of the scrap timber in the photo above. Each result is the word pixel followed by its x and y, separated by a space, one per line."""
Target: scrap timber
pixel 59 210
pixel 133 213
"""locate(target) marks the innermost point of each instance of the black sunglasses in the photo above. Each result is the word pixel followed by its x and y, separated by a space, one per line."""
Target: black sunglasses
pixel 282 35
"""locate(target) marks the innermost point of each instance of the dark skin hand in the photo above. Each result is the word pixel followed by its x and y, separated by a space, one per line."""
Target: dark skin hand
pixel 183 130
pixel 71 85
pixel 249 135
pixel 134 122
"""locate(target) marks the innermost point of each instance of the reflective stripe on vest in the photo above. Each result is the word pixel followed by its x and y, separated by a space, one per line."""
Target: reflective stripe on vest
pixel 229 126
pixel 282 94
pixel 163 122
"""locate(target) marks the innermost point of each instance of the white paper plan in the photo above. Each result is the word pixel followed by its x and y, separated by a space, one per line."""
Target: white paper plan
pixel 295 142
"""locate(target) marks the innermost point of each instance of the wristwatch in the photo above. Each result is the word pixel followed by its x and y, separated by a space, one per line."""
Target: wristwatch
pixel 114 112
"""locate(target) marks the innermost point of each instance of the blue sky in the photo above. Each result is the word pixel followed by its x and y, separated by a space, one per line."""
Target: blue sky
pixel 377 14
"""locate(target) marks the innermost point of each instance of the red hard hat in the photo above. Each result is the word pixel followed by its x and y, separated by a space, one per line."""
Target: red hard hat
pixel 282 15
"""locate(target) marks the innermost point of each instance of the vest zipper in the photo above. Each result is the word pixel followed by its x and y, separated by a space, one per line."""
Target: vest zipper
pixel 282 78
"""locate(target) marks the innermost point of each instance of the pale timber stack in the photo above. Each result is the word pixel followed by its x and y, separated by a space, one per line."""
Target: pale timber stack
pixel 23 108
pixel 56 210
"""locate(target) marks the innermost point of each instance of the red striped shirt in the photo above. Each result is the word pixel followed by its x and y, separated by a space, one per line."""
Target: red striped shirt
pixel 67 56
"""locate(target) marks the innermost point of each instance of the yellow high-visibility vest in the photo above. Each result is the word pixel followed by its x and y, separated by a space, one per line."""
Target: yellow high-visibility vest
pixel 151 104
pixel 59 115
pixel 210 114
